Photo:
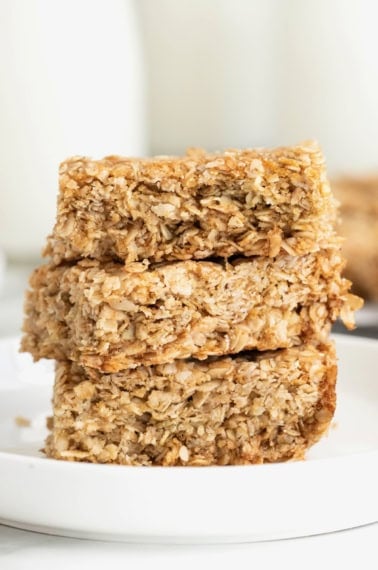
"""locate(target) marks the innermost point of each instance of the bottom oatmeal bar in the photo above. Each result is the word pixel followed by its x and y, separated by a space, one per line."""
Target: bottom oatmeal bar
pixel 253 408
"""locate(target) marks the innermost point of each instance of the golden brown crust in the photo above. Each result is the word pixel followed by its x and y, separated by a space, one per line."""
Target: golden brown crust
pixel 254 408
pixel 250 202
pixel 113 317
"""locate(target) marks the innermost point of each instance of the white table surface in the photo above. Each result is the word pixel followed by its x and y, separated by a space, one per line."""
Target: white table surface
pixel 355 548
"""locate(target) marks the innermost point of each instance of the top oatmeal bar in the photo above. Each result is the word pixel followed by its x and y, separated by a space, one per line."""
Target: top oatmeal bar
pixel 250 202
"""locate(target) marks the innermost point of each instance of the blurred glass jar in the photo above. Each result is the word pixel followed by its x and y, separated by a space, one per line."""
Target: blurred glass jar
pixel 329 75
pixel 72 82
pixel 247 72
pixel 212 72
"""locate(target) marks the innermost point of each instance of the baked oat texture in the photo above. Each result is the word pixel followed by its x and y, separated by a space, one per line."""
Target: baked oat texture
pixel 254 408
pixel 249 202
pixel 112 317
pixel 359 212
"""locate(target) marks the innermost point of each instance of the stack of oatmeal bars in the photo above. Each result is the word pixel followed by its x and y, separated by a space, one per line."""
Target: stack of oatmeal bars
pixel 188 303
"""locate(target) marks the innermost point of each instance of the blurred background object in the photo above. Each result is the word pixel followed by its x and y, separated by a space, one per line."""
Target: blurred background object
pixel 2 269
pixel 251 73
pixel 71 81
pixel 212 70
pixel 358 198
pixel 100 77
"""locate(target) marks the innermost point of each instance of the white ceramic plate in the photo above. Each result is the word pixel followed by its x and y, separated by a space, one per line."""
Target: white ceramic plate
pixel 335 488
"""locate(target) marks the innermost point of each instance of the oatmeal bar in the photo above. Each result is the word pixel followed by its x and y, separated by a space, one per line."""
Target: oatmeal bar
pixel 250 202
pixel 254 408
pixel 112 317
pixel 359 211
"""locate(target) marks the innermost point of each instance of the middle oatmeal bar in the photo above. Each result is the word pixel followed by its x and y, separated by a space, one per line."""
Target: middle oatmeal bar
pixel 112 317
pixel 248 202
